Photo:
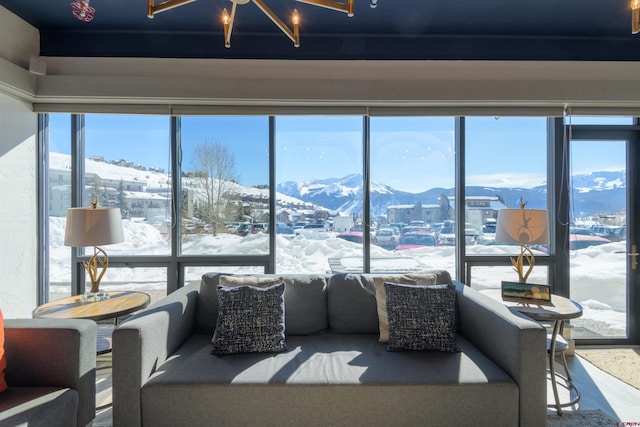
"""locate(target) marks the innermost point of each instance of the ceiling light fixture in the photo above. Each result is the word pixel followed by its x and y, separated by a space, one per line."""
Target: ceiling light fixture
pixel 227 21
pixel 635 16
pixel 164 6
pixel 82 10
pixel 334 5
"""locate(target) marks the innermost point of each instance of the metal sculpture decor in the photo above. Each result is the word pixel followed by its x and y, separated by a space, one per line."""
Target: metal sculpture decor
pixel 82 10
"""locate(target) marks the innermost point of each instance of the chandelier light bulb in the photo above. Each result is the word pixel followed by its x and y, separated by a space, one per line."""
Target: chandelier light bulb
pixel 296 28
pixel 635 16
pixel 226 23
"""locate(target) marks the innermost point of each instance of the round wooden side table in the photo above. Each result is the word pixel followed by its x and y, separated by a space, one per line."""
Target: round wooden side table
pixel 120 303
pixel 556 312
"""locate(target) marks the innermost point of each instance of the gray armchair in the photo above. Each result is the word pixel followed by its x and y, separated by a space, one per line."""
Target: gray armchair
pixel 51 372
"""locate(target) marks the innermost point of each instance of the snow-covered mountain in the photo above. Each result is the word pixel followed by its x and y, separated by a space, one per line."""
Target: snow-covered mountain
pixel 596 192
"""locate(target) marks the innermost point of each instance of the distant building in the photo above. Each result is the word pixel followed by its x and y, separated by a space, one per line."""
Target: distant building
pixel 478 210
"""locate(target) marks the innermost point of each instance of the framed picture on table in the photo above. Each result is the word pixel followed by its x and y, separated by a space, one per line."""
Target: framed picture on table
pixel 526 292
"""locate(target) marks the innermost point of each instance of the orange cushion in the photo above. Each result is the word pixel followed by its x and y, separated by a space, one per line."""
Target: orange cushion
pixel 3 360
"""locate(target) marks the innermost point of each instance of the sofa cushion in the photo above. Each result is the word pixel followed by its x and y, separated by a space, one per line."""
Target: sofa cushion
pixel 332 379
pixel 421 317
pixel 381 295
pixel 39 407
pixel 328 358
pixel 250 319
pixel 305 302
pixel 352 304
pixel 3 358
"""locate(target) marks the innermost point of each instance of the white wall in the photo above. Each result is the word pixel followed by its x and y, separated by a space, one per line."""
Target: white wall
pixel 18 208
pixel 18 187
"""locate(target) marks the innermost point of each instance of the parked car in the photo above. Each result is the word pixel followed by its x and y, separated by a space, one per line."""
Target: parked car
pixel 611 232
pixel 387 237
pixel 581 231
pixel 411 228
pixel 248 228
pixel 351 236
pixel 417 239
pixel 283 228
pixel 581 241
pixel 488 231
pixel 312 231
pixel 299 225
pixel 399 225
pixel 447 234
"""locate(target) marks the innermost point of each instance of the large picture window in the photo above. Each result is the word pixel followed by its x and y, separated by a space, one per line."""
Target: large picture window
pixel 412 192
pixel 352 194
pixel 127 165
pixel 224 185
pixel 319 218
pixel 505 164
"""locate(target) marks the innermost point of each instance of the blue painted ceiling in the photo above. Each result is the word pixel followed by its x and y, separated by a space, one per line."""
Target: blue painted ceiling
pixel 393 30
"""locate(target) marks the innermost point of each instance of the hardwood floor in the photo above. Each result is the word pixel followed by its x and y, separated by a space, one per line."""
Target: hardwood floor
pixel 598 390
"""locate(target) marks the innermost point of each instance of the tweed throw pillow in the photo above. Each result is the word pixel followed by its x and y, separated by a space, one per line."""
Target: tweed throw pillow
pixel 250 320
pixel 421 317
pixel 3 359
pixel 381 295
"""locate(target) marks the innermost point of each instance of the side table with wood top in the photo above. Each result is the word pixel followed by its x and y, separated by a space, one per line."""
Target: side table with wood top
pixel 120 303
pixel 556 312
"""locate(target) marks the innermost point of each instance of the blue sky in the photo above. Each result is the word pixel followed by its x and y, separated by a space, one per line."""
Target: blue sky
pixel 407 153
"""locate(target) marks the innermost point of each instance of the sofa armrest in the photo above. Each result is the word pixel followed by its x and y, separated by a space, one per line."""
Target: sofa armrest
pixel 514 342
pixel 144 342
pixel 54 353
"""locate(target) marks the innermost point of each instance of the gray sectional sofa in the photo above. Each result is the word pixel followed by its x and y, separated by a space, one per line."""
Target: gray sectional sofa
pixel 335 371
pixel 51 373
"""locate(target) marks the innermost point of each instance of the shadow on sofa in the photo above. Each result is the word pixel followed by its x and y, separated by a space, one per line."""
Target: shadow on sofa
pixel 51 373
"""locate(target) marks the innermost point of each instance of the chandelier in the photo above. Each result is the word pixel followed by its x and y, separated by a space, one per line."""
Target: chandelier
pixel 227 19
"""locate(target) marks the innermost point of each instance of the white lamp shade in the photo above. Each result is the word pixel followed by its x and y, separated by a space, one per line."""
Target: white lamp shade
pixel 93 227
pixel 522 226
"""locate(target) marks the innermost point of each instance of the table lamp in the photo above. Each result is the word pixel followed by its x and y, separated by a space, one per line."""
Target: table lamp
pixel 525 227
pixel 92 227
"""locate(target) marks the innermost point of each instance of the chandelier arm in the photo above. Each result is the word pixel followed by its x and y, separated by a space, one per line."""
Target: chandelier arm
pixel 333 5
pixel 228 27
pixel 283 27
pixel 164 6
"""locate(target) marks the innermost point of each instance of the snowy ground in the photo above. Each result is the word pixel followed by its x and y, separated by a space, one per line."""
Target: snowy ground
pixel 597 272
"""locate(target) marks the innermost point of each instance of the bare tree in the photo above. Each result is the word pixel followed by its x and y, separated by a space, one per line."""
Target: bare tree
pixel 215 170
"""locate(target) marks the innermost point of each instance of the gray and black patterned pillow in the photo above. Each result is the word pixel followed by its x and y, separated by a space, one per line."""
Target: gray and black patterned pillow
pixel 250 320
pixel 421 317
